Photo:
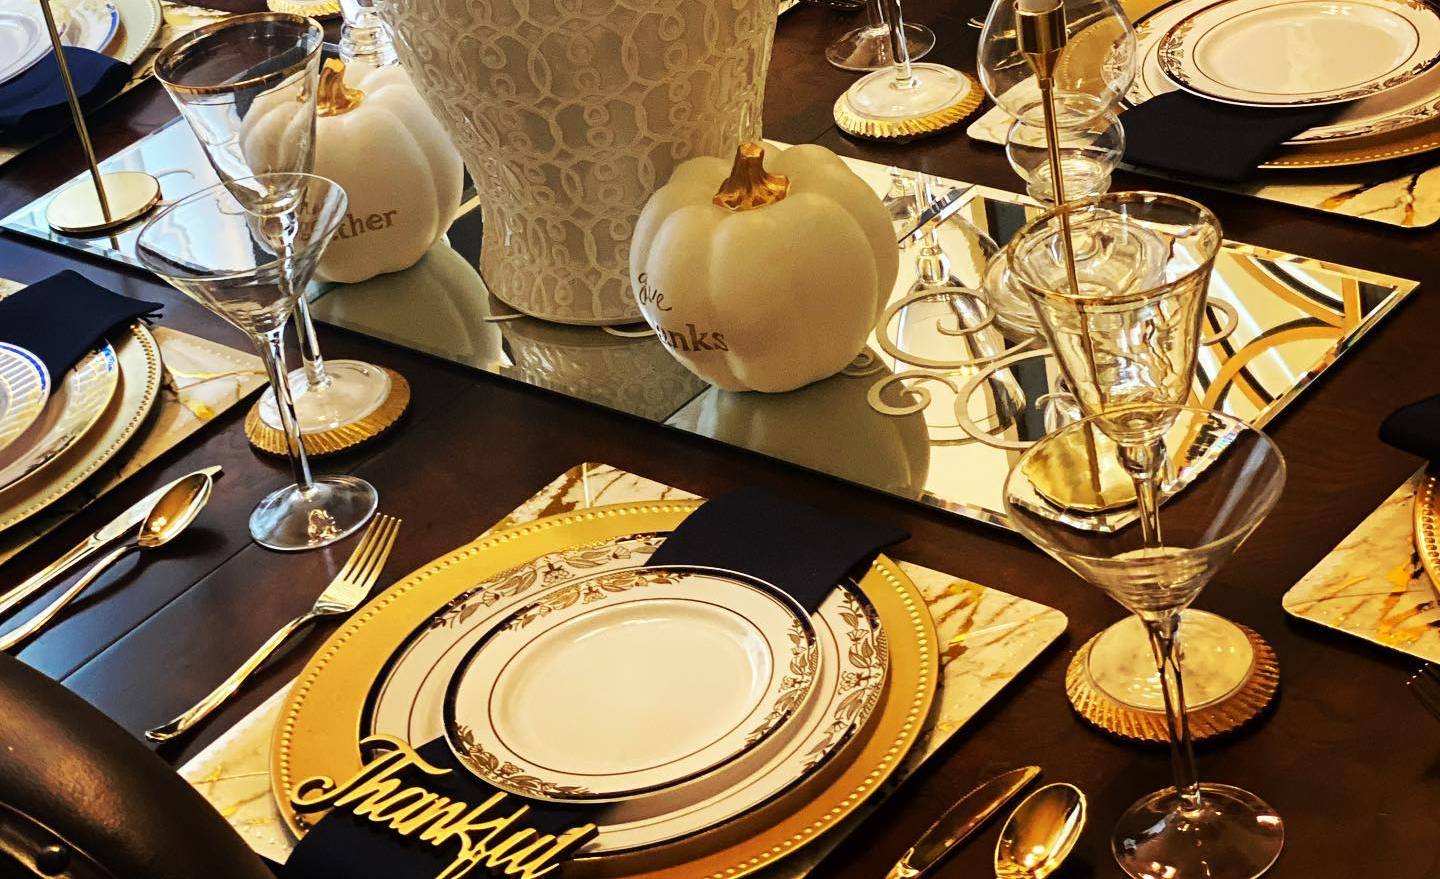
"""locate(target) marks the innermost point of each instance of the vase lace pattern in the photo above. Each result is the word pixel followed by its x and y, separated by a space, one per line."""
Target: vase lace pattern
pixel 570 113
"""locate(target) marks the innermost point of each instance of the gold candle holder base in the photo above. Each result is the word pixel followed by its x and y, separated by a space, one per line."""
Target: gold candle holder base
pixel 1234 710
pixel 271 440
pixel 76 209
pixel 852 122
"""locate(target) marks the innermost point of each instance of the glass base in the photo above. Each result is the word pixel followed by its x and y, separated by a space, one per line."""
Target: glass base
pixel 355 391
pixel 293 519
pixel 1233 834
pixel 1216 654
pixel 868 48
pixel 932 88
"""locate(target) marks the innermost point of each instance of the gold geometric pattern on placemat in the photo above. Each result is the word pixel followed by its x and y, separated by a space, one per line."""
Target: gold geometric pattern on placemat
pixel 851 122
pixel 327 442
pixel 1208 721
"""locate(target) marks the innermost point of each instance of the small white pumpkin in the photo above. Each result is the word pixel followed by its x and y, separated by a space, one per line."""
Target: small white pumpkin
pixel 764 280
pixel 375 137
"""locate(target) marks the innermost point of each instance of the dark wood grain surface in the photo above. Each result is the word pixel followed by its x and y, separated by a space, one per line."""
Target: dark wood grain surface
pixel 1346 756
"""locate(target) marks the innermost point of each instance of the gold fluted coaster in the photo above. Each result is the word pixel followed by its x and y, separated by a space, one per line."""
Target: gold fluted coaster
pixel 327 442
pixel 948 116
pixel 312 8
pixel 1207 721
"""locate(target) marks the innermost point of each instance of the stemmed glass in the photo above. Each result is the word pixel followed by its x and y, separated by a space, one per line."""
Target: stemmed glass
pixel 868 47
pixel 363 37
pixel 244 249
pixel 906 90
pixel 1232 476
pixel 247 86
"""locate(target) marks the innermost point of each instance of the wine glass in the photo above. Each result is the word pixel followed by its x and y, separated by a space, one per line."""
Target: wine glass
pixel 219 247
pixel 905 90
pixel 363 36
pixel 247 87
pixel 1089 154
pixel 1230 476
pixel 868 47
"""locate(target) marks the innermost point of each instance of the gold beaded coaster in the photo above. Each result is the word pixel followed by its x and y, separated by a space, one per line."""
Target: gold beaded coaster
pixel 859 124
pixel 327 442
pixel 1207 720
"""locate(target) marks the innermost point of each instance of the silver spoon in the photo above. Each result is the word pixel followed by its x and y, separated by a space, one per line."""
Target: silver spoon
pixel 175 510
pixel 1040 833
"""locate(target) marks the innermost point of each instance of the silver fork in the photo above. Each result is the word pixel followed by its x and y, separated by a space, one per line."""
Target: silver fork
pixel 1425 685
pixel 345 593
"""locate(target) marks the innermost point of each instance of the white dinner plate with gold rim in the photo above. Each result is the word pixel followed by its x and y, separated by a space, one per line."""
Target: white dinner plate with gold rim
pixel 77 403
pixel 23 39
pixel 140 374
pixel 629 681
pixel 1413 103
pixel 24 388
pixel 407 698
pixel 1292 53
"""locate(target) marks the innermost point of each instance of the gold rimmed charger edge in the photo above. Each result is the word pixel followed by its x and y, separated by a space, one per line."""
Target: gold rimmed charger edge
pixel 321 721
pixel 138 356
pixel 1427 526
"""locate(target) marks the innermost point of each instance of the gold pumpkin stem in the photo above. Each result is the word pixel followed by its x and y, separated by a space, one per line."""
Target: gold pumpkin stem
pixel 335 97
pixel 749 185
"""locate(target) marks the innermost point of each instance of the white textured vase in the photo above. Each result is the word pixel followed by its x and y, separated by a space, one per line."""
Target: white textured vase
pixel 570 113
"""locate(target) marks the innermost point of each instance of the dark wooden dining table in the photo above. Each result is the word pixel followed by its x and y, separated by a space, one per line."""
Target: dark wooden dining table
pixel 1345 755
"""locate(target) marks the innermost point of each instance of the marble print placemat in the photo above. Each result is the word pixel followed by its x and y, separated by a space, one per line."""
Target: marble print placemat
pixel 201 380
pixel 988 638
pixel 1409 198
pixel 1373 586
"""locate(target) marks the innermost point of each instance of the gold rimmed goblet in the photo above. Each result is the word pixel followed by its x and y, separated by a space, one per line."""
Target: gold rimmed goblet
pixel 245 249
pixel 247 86
pixel 1228 476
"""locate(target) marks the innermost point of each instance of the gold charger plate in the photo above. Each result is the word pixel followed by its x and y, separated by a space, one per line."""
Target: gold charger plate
pixel 139 358
pixel 320 724
pixel 1427 526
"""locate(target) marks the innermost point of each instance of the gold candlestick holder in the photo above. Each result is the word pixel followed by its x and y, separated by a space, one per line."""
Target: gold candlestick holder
pixel 1041 35
pixel 112 199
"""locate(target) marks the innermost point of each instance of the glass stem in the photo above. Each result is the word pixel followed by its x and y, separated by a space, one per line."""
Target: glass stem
pixel 899 46
pixel 273 350
pixel 316 378
pixel 876 14
pixel 1164 632
pixel 1142 461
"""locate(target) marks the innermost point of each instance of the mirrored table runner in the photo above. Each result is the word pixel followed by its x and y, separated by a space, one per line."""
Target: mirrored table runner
pixel 889 422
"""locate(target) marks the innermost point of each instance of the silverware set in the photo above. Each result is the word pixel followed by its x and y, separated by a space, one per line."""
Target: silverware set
pixel 155 520
pixel 346 592
pixel 1035 840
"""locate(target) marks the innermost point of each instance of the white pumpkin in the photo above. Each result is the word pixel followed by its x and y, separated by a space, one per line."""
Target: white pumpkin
pixel 375 137
pixel 761 280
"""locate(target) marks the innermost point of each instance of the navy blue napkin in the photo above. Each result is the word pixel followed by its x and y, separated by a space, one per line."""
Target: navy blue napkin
pixel 794 547
pixel 1196 137
pixel 64 317
pixel 34 101
pixel 1415 428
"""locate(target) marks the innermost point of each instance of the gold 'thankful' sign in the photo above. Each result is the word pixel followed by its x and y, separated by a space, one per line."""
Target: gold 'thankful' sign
pixel 486 836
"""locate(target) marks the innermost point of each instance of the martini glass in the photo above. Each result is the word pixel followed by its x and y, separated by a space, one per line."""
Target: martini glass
pixel 247 87
pixel 218 246
pixel 1230 476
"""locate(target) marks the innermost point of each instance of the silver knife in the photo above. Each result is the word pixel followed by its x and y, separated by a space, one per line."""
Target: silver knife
pixel 961 820
pixel 119 526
